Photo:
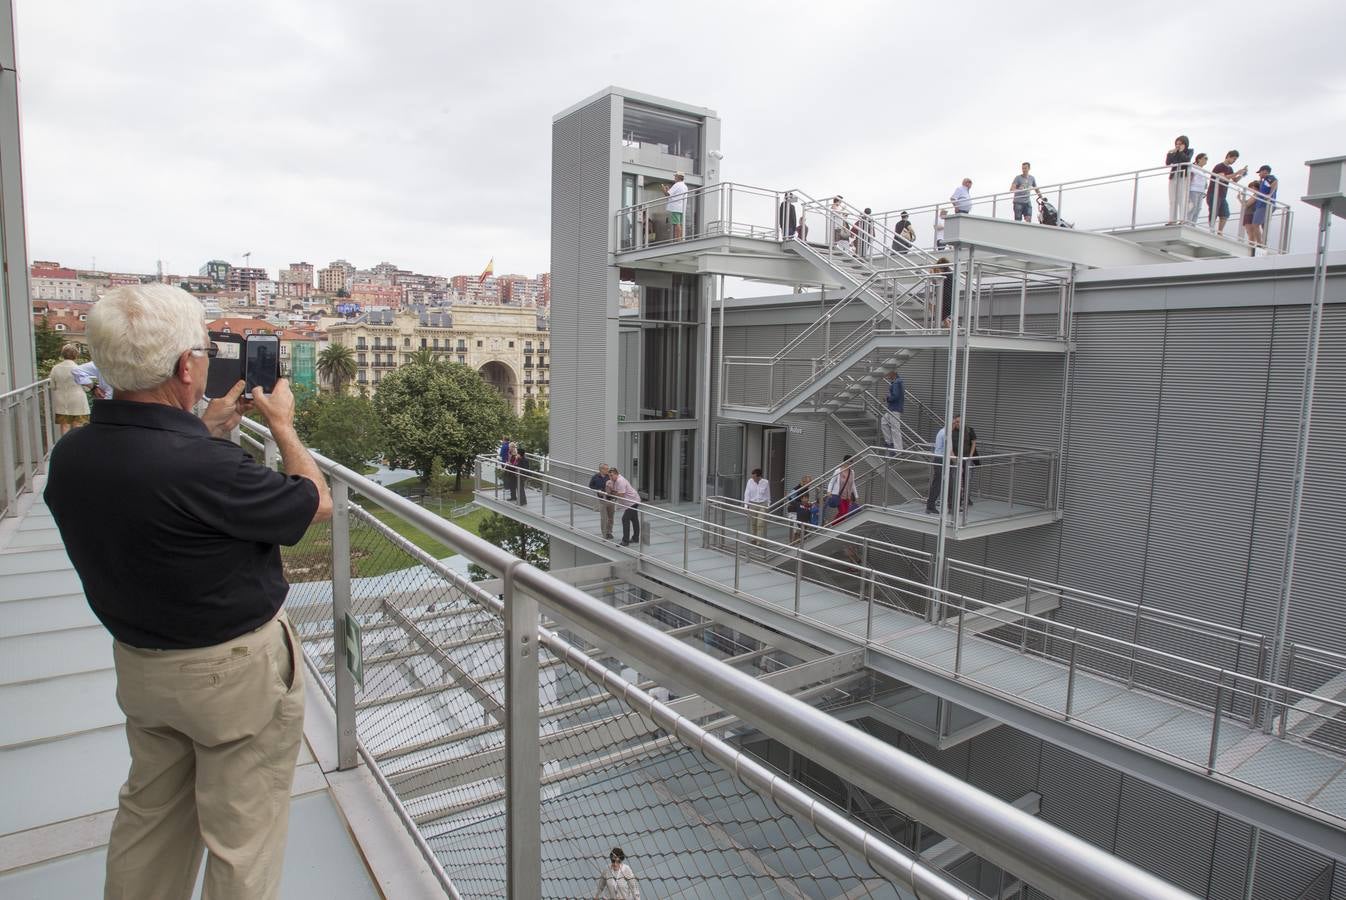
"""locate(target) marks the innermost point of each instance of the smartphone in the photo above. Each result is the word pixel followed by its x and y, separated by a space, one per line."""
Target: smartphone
pixel 261 363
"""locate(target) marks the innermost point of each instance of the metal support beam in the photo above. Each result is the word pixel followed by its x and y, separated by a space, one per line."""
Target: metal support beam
pixel 347 756
pixel 477 689
pixel 1302 443
pixel 523 792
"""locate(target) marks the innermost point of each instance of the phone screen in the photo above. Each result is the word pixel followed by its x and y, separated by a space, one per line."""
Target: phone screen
pixel 261 363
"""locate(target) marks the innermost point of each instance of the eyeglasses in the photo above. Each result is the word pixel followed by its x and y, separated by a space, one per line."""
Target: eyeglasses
pixel 211 351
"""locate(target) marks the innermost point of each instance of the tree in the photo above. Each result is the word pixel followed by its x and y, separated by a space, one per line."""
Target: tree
pixel 438 409
pixel 47 341
pixel 342 427
pixel 342 292
pixel 529 544
pixel 337 364
pixel 534 428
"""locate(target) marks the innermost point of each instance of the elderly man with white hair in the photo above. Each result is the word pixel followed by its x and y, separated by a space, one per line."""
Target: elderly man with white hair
pixel 175 533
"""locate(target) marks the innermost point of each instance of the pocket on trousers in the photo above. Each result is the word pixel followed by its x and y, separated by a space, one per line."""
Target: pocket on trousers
pixel 285 659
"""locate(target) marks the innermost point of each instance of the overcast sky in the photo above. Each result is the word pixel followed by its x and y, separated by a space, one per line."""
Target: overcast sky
pixel 418 131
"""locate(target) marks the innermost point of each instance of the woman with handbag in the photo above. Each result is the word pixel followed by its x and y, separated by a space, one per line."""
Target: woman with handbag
pixel 841 493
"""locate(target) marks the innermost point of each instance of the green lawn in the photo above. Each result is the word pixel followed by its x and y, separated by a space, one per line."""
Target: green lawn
pixel 371 553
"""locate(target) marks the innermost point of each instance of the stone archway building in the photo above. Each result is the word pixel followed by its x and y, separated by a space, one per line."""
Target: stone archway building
pixel 506 344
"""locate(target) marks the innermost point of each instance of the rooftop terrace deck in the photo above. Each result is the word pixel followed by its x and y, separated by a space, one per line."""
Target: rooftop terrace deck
pixel 63 754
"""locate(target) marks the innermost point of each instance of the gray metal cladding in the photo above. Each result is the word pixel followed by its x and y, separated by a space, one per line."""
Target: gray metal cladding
pixel 1114 402
pixel 1206 454
pixel 1080 795
pixel 1178 852
pixel 1317 613
pixel 565 420
pixel 804 448
pixel 581 279
pixel 1004 762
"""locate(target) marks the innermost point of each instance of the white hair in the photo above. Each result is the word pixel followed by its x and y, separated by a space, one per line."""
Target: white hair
pixel 137 332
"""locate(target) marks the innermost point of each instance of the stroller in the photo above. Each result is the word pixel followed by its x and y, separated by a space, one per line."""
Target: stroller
pixel 1048 215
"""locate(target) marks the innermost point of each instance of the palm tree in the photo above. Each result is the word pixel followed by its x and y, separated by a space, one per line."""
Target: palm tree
pixel 337 364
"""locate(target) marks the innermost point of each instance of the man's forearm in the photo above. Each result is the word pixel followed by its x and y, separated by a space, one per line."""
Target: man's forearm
pixel 298 461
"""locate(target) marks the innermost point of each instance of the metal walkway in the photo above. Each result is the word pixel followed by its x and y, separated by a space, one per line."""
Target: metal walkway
pixel 63 753
pixel 1281 784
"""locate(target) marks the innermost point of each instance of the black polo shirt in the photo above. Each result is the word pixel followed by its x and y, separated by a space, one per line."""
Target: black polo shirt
pixel 174 533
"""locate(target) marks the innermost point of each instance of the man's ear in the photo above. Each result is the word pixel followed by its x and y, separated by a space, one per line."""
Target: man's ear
pixel 183 372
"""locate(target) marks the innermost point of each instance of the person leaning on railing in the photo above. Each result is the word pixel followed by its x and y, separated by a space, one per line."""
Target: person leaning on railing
pixel 620 489
pixel 175 534
pixel 606 508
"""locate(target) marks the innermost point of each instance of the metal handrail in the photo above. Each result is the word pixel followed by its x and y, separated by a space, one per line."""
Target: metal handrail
pixel 882 231
pixel 27 425
pixel 1134 177
pixel 1041 853
pixel 946 606
pixel 725 223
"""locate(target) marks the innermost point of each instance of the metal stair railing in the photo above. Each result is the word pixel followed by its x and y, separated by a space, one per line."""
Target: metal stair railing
pixel 879 244
pixel 877 408
pixel 852 554
pixel 1165 673
pixel 740 389
pixel 882 292
pixel 1141 193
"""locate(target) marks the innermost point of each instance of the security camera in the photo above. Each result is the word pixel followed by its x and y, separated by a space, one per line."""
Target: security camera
pixel 716 154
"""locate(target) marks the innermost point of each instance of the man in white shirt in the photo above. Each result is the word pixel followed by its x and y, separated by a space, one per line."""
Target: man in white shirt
pixel 937 470
pixel 677 203
pixel 962 197
pixel 757 497
pixel 620 490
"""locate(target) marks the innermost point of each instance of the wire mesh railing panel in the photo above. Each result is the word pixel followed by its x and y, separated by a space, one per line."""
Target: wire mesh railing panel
pixel 686 827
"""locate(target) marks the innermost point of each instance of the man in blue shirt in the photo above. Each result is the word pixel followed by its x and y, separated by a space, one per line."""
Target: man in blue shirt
pixel 890 425
pixel 962 197
pixel 599 485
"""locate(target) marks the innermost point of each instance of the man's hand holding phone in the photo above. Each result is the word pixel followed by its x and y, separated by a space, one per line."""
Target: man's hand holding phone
pixel 223 414
pixel 277 407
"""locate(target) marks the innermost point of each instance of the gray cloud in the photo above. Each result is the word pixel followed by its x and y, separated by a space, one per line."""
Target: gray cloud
pixel 420 132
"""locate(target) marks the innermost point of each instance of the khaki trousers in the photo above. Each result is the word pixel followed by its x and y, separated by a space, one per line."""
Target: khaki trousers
pixel 606 511
pixel 214 733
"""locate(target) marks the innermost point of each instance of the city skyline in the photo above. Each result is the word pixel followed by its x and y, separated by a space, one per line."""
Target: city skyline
pixel 327 126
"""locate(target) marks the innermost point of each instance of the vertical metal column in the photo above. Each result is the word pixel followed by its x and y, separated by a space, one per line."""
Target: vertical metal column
pixel 1302 445
pixel 704 417
pixel 25 441
pixel 347 758
pixel 964 471
pixel 951 374
pixel 523 790
pixel 49 420
pixel 270 453
pixel 7 461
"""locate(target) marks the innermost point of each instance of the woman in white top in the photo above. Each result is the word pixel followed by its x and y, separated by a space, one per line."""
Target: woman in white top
pixel 617 882
pixel 1196 188
pixel 842 486
pixel 69 402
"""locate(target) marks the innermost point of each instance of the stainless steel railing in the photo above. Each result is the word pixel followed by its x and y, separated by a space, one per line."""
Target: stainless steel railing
pixel 1122 201
pixel 1232 697
pixel 525 590
pixel 26 437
